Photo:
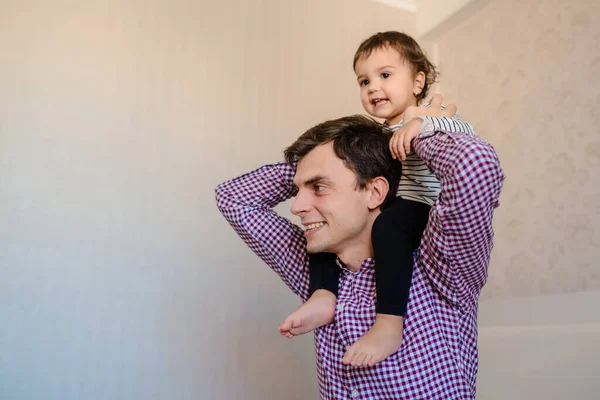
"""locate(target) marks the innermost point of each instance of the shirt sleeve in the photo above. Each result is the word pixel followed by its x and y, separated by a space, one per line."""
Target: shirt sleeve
pixel 455 125
pixel 247 204
pixel 457 242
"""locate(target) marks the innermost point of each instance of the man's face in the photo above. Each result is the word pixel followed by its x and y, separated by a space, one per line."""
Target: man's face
pixel 333 212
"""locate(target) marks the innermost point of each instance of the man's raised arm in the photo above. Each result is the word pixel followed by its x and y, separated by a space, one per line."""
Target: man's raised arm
pixel 247 203
pixel 458 240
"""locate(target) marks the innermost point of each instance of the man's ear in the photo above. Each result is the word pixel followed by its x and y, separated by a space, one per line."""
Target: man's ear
pixel 378 189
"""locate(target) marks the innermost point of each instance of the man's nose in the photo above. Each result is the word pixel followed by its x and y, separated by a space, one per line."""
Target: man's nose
pixel 300 205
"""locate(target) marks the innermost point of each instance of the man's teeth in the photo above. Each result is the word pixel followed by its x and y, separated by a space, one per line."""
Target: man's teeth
pixel 315 226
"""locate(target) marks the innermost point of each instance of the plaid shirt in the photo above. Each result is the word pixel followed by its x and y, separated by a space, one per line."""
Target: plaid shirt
pixel 438 358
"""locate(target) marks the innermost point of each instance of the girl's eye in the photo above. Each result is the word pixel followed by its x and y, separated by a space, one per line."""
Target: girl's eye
pixel 385 75
pixel 364 83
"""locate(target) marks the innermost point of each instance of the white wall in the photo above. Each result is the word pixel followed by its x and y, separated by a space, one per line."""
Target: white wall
pixel 118 278
pixel 543 347
pixel 433 13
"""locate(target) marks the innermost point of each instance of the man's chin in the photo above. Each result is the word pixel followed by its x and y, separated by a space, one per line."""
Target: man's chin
pixel 315 248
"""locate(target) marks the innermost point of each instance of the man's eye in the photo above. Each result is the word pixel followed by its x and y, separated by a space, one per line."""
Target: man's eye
pixel 364 83
pixel 385 75
pixel 319 188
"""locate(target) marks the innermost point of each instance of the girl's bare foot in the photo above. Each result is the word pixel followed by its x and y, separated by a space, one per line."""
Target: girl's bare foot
pixel 316 312
pixel 383 339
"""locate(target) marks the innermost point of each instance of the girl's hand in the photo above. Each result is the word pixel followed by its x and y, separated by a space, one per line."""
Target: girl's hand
pixel 401 141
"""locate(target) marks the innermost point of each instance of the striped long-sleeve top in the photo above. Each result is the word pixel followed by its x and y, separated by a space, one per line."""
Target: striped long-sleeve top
pixel 417 182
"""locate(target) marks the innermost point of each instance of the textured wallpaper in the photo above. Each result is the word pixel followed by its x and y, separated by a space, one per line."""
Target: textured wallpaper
pixel 526 75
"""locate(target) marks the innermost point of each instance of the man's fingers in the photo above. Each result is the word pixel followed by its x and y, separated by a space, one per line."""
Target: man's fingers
pixel 436 101
pixel 450 110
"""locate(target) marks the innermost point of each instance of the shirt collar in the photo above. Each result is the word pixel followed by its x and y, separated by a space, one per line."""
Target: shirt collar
pixel 396 126
pixel 367 264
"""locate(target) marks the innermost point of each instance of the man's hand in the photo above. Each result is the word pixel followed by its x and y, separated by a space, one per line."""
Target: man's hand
pixel 401 141
pixel 434 110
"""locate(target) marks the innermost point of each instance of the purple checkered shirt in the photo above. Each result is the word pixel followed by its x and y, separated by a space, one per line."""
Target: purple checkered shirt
pixel 438 358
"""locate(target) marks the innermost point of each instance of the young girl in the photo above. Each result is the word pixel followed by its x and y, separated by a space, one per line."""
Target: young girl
pixel 394 77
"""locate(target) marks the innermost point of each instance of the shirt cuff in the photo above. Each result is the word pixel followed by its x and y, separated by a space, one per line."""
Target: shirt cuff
pixel 427 128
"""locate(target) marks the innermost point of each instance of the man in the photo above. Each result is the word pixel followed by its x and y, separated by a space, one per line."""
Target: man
pixel 341 173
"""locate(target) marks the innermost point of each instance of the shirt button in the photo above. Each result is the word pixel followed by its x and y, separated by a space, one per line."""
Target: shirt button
pixel 339 307
pixel 354 394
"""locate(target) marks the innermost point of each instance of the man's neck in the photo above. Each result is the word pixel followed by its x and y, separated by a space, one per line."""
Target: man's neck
pixel 355 258
pixel 355 253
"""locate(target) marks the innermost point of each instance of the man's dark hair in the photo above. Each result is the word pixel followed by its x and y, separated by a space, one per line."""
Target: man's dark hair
pixel 360 142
